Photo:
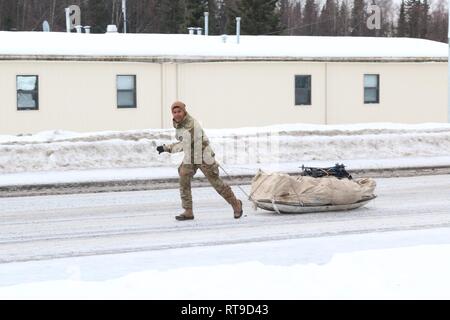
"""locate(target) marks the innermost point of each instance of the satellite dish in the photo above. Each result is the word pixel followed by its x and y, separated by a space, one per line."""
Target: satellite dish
pixel 45 26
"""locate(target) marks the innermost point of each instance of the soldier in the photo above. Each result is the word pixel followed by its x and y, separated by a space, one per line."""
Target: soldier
pixel 198 154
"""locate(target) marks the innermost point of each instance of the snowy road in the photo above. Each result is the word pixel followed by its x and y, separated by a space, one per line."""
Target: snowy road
pixel 47 227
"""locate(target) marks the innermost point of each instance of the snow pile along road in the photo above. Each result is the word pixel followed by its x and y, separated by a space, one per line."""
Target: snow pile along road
pixel 356 267
pixel 62 150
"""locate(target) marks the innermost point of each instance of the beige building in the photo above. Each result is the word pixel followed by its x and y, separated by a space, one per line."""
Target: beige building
pixel 92 82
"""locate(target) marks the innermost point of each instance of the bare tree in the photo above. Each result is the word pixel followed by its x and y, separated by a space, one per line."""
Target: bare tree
pixel 439 22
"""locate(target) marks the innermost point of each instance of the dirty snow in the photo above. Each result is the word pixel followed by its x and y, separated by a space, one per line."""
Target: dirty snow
pixel 242 149
pixel 149 173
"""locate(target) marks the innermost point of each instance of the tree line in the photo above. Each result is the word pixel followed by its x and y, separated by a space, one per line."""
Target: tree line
pixel 410 18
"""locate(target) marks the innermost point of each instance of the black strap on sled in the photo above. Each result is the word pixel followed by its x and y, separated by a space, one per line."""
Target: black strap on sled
pixel 337 171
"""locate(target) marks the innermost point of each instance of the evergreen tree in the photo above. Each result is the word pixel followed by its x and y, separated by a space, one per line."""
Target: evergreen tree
pixel 142 16
pixel 401 26
pixel 96 15
pixel 412 8
pixel 439 22
pixel 309 21
pixel 327 19
pixel 8 13
pixel 229 12
pixel 171 14
pixel 258 16
pixel 296 19
pixel 285 12
pixel 424 19
pixel 221 16
pixel 194 14
pixel 358 19
pixel 415 18
pixel 343 21
pixel 214 25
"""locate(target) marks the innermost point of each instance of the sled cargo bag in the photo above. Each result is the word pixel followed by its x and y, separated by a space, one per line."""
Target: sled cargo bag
pixel 309 191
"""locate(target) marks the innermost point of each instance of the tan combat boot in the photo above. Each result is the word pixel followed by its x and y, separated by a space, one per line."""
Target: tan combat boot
pixel 188 214
pixel 237 207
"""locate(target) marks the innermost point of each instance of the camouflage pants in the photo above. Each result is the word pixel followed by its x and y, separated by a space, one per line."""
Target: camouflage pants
pixel 211 172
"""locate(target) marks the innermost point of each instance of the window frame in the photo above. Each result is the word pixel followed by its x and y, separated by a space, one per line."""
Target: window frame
pixel 377 88
pixel 134 106
pixel 36 91
pixel 309 102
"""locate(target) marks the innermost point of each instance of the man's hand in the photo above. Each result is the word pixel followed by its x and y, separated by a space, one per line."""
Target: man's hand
pixel 160 149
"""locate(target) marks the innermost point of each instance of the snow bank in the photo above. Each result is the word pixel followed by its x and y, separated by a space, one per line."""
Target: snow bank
pixel 62 150
pixel 388 265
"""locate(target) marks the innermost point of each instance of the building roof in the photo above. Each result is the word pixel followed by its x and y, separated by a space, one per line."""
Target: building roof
pixel 185 47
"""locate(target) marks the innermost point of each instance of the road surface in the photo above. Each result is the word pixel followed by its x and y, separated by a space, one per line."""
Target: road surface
pixel 48 227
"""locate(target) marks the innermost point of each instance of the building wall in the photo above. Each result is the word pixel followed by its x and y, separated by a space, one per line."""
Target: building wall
pixel 169 79
pixel 240 94
pixel 409 92
pixel 79 96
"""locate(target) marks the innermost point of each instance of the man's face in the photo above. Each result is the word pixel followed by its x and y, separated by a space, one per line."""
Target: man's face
pixel 178 114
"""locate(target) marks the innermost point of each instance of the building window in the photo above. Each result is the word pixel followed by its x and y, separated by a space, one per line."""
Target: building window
pixel 371 88
pixel 126 91
pixel 27 92
pixel 303 90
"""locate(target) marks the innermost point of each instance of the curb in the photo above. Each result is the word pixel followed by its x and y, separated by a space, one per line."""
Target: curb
pixel 172 183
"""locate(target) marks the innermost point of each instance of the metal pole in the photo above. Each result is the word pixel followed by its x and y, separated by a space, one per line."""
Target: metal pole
pixel 206 22
pixel 124 10
pixel 238 28
pixel 68 19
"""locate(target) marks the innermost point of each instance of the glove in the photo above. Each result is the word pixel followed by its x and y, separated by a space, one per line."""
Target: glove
pixel 160 149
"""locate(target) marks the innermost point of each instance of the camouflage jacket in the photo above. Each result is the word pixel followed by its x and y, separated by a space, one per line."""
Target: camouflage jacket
pixel 191 139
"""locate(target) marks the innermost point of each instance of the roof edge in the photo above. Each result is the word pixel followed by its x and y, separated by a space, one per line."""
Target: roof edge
pixel 197 59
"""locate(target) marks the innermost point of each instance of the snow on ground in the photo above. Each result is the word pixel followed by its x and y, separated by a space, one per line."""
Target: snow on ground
pixel 410 264
pixel 58 150
pixel 183 45
pixel 395 247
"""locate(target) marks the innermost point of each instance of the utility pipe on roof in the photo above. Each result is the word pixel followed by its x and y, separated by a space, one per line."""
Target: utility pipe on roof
pixel 238 28
pixel 206 22
pixel 67 10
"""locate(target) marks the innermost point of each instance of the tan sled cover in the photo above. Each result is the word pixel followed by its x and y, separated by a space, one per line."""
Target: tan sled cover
pixel 309 191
